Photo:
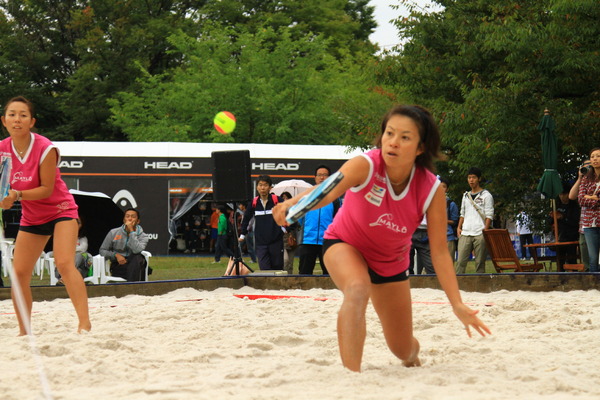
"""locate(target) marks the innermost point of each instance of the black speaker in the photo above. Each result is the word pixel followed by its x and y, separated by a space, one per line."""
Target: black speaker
pixel 231 176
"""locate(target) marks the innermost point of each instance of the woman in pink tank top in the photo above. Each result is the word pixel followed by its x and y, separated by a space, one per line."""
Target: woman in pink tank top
pixel 48 209
pixel 388 191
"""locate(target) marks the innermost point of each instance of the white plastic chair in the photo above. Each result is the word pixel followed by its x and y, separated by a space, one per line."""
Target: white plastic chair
pixel 104 266
pixel 38 269
pixel 49 260
pixel 7 247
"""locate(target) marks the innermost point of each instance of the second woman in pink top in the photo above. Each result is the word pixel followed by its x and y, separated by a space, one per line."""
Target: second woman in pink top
pixel 48 209
pixel 388 191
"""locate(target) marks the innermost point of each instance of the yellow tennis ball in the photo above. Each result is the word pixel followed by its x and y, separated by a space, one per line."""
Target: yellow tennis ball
pixel 224 122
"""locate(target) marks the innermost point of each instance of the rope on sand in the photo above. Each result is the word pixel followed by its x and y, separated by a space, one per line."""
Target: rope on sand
pixel 20 300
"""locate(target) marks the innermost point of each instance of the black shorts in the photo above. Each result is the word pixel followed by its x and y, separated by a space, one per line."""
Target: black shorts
pixel 375 277
pixel 46 229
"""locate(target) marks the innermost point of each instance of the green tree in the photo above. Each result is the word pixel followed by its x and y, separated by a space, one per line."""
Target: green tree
pixel 36 54
pixel 115 38
pixel 488 69
pixel 71 56
pixel 346 23
pixel 281 91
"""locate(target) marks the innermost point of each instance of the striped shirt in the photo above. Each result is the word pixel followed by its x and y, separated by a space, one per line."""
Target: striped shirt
pixel 590 209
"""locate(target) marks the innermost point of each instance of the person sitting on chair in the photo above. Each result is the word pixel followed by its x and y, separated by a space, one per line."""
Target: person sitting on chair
pixel 123 247
pixel 83 259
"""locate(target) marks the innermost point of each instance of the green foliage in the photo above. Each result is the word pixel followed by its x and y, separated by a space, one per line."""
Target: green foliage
pixel 35 54
pixel 488 69
pixel 346 23
pixel 281 90
pixel 70 57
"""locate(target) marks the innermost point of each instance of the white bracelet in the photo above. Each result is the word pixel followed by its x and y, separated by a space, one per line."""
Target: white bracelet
pixel 19 195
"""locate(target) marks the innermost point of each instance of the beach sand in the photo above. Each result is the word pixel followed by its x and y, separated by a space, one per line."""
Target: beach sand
pixel 191 344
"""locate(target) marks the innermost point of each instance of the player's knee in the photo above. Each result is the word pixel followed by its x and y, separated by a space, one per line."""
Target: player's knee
pixel 358 292
pixel 64 267
pixel 21 273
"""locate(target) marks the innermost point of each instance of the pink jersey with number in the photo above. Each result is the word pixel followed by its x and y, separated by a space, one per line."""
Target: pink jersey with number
pixel 25 175
pixel 380 223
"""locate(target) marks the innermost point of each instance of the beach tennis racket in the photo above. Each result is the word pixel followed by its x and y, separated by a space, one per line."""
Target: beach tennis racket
pixel 305 204
pixel 5 166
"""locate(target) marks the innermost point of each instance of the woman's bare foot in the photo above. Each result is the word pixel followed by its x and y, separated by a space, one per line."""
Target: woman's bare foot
pixel 414 363
pixel 413 360
pixel 84 327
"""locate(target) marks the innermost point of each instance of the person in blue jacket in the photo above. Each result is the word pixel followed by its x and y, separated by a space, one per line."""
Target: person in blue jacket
pixel 314 224
pixel 453 214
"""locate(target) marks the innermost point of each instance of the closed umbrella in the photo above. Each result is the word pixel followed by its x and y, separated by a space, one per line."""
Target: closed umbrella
pixel 550 184
pixel 293 186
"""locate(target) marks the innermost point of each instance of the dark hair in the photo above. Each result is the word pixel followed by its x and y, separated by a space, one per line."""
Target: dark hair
pixel 474 171
pixel 264 178
pixel 322 166
pixel 591 175
pixel 446 181
pixel 133 209
pixel 286 193
pixel 428 133
pixel 20 99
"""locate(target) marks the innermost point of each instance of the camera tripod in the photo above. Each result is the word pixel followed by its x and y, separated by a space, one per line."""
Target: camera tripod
pixel 237 250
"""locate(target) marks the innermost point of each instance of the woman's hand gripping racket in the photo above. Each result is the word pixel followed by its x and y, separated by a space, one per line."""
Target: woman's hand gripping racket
pixel 305 204
pixel 5 166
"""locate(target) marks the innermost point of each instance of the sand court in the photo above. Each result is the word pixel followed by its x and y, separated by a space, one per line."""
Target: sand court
pixel 274 344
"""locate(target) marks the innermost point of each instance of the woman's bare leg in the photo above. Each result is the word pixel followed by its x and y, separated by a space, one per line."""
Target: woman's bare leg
pixel 28 248
pixel 393 304
pixel 65 239
pixel 349 272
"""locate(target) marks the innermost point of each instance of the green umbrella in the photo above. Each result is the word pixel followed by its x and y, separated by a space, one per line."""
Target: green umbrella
pixel 550 184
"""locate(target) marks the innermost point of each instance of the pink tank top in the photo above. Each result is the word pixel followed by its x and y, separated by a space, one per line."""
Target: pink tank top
pixel 25 174
pixel 380 223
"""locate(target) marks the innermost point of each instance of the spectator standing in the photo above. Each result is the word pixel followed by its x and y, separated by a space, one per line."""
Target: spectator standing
pixel 214 227
pixel 589 201
pixel 523 224
pixel 314 224
pixel 573 195
pixel 476 214
pixel 268 236
pixel 420 248
pixel 567 217
pixel 452 212
pixel 123 247
pixel 222 245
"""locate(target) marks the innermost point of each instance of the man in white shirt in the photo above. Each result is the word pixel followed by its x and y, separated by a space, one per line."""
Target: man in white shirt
pixel 476 214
